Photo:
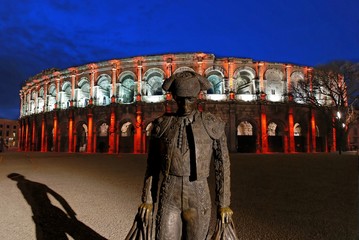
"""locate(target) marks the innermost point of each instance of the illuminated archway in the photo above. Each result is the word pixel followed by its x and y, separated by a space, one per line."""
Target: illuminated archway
pixel 126 89
pixel 103 90
pixel 275 137
pixel 274 88
pixel 83 93
pixel 246 138
pixel 102 138
pixel 51 97
pixel 65 95
pixel 243 80
pixel 153 80
pixel 81 141
pixel 40 100
pixel 216 80
pixel 127 138
pixel 299 138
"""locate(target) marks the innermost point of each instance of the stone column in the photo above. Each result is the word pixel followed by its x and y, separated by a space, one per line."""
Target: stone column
pixel 71 137
pixel 92 84
pixel 43 129
pixel 112 137
pixel 73 83
pixel 138 130
pixel 200 67
pixel 113 93
pixel 230 75
pixel 35 100
pixel 45 97
pixel 55 134
pixel 288 70
pixel 313 131
pixel 21 103
pixel 261 77
pixel 90 131
pixel 169 67
pixel 291 130
pixel 27 139
pixel 264 136
pixel 57 104
pixel 139 81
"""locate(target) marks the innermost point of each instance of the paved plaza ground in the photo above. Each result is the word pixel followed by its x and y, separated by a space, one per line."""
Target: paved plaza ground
pixel 274 196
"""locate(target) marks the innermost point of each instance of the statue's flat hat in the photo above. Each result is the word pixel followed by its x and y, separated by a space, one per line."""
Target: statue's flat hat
pixel 186 84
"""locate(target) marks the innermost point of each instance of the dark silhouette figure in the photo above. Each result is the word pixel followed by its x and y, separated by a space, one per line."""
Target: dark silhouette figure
pixel 51 222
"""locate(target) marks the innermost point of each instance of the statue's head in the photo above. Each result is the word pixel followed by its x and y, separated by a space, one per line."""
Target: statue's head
pixel 186 84
pixel 185 87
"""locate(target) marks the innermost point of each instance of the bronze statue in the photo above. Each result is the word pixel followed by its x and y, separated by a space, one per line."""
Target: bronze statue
pixel 182 146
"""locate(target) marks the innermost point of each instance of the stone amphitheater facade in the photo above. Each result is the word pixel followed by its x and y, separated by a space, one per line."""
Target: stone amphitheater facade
pixel 109 106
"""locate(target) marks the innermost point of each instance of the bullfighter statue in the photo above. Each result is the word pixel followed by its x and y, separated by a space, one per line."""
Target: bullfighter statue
pixel 182 147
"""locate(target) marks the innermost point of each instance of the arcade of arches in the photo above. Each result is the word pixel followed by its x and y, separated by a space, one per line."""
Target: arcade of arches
pixel 108 107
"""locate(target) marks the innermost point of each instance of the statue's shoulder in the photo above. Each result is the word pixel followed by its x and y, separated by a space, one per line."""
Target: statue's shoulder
pixel 161 124
pixel 213 125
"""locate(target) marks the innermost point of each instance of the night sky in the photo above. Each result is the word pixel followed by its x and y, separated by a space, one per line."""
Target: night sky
pixel 39 34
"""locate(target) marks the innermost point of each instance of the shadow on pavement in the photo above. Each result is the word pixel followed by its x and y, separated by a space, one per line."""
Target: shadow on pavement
pixel 50 221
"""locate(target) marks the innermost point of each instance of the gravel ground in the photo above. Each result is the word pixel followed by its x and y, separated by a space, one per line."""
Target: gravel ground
pixel 274 196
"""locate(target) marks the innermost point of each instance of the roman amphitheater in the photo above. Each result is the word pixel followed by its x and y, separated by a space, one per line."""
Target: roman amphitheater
pixel 109 106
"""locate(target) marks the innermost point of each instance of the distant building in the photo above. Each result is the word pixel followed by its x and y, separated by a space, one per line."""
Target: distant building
pixel 9 131
pixel 109 106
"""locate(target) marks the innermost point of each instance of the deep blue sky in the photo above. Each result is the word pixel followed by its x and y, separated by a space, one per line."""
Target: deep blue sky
pixel 39 34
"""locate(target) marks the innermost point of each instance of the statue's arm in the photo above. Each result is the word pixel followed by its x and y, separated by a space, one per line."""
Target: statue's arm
pixel 222 176
pixel 150 186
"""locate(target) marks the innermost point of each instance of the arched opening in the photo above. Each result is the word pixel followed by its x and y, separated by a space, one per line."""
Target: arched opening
pixel 103 90
pixel 275 138
pixel 83 94
pixel 40 101
pixel 246 138
pixel 51 97
pixel 127 90
pixel 81 140
pixel 65 95
pixel 126 141
pixel 299 139
pixel 216 84
pixel 102 138
pixel 153 83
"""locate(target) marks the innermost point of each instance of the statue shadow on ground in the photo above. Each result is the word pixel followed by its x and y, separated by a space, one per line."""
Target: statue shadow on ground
pixel 51 222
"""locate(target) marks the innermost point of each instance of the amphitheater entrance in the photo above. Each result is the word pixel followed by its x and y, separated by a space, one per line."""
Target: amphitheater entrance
pixel 126 142
pixel 245 138
pixel 299 139
pixel 102 138
pixel 275 138
pixel 81 140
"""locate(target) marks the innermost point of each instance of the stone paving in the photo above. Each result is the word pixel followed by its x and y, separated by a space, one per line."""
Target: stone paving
pixel 274 196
